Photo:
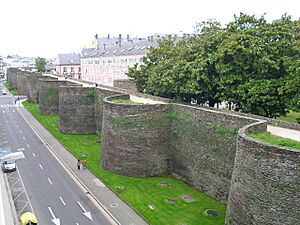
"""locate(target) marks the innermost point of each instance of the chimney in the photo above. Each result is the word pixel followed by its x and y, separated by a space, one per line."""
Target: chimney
pixel 108 36
pixel 128 37
pixel 151 38
pixel 120 39
pixel 104 46
pixel 148 38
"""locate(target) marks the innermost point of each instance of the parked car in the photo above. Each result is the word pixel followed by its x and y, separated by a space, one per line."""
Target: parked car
pixel 28 218
pixel 9 166
pixel 4 92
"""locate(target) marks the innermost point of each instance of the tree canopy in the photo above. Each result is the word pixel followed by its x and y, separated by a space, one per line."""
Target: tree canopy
pixel 250 63
pixel 40 64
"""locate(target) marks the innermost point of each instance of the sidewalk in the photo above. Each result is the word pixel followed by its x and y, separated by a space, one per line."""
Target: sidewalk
pixel 7 211
pixel 284 132
pixel 120 212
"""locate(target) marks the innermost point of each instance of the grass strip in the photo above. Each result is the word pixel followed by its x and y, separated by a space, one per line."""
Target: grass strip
pixel 125 101
pixel 140 193
pixel 275 140
pixel 292 117
pixel 11 90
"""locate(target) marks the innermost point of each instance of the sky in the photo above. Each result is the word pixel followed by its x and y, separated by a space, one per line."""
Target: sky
pixel 46 28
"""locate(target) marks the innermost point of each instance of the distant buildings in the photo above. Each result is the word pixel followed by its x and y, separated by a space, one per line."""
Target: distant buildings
pixel 19 61
pixel 110 58
pixel 2 74
pixel 68 65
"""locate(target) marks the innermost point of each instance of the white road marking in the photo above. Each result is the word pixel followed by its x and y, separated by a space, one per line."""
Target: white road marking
pixel 21 149
pixel 61 199
pixel 17 126
pixel 28 145
pixel 24 138
pixel 13 110
pixel 33 155
pixel 20 131
pixel 77 223
pixel 50 181
pixel 85 213
pixel 41 166
pixel 55 220
pixel 3 111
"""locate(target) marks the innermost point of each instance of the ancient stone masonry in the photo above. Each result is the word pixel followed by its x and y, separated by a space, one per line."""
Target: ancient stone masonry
pixel 204 145
pixel 76 110
pixel 265 187
pixel 48 89
pixel 135 139
pixel 32 85
pixel 12 78
pixel 207 148
pixel 125 84
pixel 80 109
pixel 21 83
pixel 101 94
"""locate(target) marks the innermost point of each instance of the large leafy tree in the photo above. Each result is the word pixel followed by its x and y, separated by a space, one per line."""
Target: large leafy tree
pixel 253 64
pixel 250 63
pixel 40 64
pixel 183 68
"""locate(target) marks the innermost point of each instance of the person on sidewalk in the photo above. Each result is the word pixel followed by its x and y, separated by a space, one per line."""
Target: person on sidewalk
pixel 78 164
pixel 83 162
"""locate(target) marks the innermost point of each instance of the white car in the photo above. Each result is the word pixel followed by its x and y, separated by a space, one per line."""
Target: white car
pixel 9 166
pixel 4 92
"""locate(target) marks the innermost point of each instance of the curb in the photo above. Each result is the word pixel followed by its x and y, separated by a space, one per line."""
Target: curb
pixel 68 168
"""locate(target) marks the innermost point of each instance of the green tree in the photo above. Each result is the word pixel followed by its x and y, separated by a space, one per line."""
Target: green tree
pixel 249 63
pixel 40 64
pixel 253 64
pixel 182 68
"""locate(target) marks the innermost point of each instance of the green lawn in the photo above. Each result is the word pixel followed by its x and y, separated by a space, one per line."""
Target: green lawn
pixel 125 101
pixel 275 140
pixel 139 192
pixel 12 91
pixel 290 117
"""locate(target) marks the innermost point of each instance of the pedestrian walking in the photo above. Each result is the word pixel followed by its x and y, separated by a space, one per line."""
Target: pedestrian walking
pixel 78 164
pixel 83 162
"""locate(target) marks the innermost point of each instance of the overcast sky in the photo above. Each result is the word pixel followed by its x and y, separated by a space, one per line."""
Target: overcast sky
pixel 48 27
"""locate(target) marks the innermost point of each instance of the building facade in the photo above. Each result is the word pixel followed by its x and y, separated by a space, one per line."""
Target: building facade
pixel 68 65
pixel 110 58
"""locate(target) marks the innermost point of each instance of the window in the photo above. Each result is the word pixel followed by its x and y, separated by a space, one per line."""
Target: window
pixel 72 69
pixel 65 69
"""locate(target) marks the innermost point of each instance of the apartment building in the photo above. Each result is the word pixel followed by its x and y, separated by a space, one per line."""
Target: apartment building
pixel 110 58
pixel 68 65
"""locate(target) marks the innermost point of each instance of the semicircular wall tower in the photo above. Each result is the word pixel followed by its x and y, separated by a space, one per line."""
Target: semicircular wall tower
pixel 265 187
pixel 135 138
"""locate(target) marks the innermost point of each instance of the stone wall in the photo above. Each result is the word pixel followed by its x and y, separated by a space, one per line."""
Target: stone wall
pixel 48 96
pixel 208 149
pixel 125 84
pixel 21 83
pixel 101 94
pixel 76 110
pixel 32 86
pixel 265 186
pixel 135 139
pixel 204 145
pixel 12 78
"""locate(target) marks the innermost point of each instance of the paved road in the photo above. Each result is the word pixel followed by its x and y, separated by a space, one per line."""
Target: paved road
pixel 284 132
pixel 54 196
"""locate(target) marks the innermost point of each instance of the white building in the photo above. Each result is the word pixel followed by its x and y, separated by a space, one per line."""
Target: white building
pixel 110 58
pixel 68 65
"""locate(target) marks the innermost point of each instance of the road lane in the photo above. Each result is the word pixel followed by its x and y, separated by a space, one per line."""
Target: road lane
pixel 41 192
